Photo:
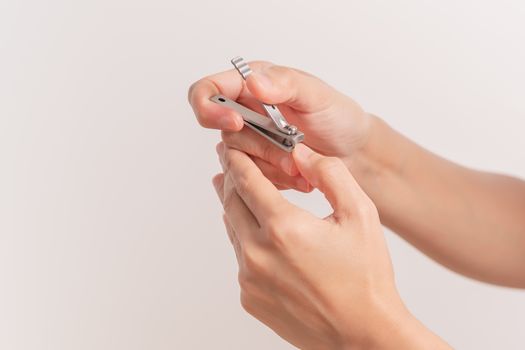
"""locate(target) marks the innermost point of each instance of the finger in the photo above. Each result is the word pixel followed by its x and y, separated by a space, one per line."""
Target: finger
pixel 233 237
pixel 331 177
pixel 210 114
pixel 259 194
pixel 280 179
pixel 218 184
pixel 249 142
pixel 240 217
pixel 277 84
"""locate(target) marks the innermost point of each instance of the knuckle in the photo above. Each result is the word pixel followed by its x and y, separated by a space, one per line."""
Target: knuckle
pixel 287 235
pixel 243 185
pixel 242 141
pixel 227 159
pixel 329 167
pixel 366 209
pixel 229 137
pixel 247 302
pixel 197 101
pixel 228 200
pixel 278 229
pixel 274 228
pixel 267 152
pixel 246 282
pixel 202 120
pixel 190 92
pixel 253 263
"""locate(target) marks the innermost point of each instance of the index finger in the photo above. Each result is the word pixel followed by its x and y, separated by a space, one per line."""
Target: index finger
pixel 260 196
pixel 229 84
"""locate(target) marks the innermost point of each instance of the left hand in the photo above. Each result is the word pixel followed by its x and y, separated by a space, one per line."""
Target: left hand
pixel 333 124
pixel 319 283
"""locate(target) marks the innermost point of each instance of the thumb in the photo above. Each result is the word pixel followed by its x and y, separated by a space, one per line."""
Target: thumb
pixel 277 84
pixel 330 176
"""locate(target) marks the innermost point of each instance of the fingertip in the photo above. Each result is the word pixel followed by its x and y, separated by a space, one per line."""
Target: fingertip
pixel 301 153
pixel 229 120
pixel 217 180
pixel 218 184
pixel 219 148
pixel 261 86
pixel 261 80
pixel 233 122
pixel 213 116
pixel 226 221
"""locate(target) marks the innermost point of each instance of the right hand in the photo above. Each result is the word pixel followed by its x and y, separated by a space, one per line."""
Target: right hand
pixel 318 283
pixel 333 124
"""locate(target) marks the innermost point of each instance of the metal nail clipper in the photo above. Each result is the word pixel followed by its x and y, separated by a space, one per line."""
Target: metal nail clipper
pixel 275 128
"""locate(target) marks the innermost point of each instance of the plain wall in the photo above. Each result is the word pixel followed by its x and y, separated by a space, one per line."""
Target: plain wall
pixel 110 231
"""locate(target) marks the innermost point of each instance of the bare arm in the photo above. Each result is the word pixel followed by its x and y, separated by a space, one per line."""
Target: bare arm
pixel 470 221
pixel 295 270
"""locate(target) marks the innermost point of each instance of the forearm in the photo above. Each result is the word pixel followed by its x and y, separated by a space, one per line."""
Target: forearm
pixel 472 222
pixel 399 329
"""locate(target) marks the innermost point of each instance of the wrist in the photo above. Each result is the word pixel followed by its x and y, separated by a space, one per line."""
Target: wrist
pixel 394 327
pixel 378 163
pixel 378 153
pixel 404 331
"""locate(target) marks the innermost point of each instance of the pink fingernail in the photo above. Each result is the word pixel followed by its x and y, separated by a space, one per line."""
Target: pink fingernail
pixel 262 79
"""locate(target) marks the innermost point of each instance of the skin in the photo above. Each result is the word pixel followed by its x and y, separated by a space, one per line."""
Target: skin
pixel 397 184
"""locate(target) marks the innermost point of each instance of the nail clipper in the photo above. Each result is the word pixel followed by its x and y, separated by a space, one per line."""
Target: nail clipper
pixel 275 128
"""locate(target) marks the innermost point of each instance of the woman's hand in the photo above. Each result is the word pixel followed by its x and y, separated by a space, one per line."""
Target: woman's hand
pixel 319 283
pixel 414 190
pixel 333 124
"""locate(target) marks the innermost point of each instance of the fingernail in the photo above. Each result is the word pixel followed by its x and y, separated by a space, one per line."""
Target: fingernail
pixel 302 152
pixel 227 123
pixel 262 79
pixel 302 184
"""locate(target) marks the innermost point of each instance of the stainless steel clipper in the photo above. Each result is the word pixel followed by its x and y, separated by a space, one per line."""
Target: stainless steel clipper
pixel 275 128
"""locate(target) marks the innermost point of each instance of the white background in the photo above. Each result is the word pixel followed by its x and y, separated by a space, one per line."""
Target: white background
pixel 110 231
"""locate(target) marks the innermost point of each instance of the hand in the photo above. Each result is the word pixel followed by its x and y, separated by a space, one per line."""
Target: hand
pixel 333 124
pixel 318 283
